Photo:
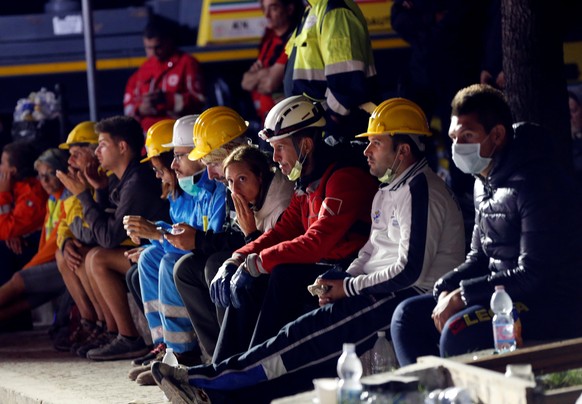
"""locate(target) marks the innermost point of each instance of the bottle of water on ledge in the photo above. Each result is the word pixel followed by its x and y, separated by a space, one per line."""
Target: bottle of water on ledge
pixel 503 323
pixel 349 369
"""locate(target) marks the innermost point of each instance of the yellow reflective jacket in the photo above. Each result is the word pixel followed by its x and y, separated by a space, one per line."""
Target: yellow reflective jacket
pixel 332 55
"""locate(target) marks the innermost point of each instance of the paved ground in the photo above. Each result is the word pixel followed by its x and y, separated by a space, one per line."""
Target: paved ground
pixel 31 371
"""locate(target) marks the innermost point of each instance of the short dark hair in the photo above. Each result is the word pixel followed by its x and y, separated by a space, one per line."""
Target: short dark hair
pixel 123 128
pixel 160 28
pixel 21 155
pixel 488 103
pixel 298 10
pixel 399 139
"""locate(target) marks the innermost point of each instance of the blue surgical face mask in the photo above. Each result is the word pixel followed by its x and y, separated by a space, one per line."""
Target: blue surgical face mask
pixel 187 184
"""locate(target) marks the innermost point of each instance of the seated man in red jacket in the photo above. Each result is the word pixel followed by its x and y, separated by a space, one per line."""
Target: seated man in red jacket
pixel 168 84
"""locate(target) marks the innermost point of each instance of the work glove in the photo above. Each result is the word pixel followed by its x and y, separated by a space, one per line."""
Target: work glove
pixel 220 285
pixel 239 284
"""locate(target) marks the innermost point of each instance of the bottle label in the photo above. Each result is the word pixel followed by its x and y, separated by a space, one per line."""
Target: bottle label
pixel 349 396
pixel 504 337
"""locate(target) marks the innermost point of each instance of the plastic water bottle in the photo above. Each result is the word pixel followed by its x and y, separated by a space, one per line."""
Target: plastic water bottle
pixel 383 358
pixel 170 358
pixel 503 324
pixel 349 370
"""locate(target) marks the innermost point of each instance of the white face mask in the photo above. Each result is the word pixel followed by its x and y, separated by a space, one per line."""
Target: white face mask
pixel 467 157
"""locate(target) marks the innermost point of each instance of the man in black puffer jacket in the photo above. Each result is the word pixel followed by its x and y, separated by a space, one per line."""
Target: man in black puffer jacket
pixel 527 237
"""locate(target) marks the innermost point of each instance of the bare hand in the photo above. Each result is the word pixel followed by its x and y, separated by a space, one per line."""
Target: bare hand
pixel 73 181
pixel 335 292
pixel 449 303
pixel 244 215
pixel 183 237
pixel 15 245
pixel 133 254
pixel 5 181
pixel 95 176
pixel 149 102
pixel 72 255
pixel 138 227
pixel 258 65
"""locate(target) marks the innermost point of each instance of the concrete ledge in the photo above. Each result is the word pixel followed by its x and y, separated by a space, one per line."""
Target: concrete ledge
pixel 32 372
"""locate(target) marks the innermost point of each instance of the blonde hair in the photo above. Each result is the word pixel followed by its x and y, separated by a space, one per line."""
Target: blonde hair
pixel 220 154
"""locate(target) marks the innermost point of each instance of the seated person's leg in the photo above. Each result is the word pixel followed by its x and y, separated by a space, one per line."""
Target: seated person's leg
pixel 213 263
pixel 177 328
pixel 12 299
pixel 413 331
pixel 91 286
pixel 132 281
pixel 286 298
pixel 467 331
pixel 193 288
pixel 108 268
pixel 149 284
pixel 238 324
pixel 29 288
pixel 301 346
pixel 86 309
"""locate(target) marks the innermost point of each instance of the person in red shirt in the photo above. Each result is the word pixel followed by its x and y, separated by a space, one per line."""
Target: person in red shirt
pixel 264 79
pixel 39 280
pixel 168 84
pixel 22 207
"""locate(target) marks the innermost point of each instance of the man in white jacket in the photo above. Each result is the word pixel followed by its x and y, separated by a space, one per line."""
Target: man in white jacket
pixel 417 235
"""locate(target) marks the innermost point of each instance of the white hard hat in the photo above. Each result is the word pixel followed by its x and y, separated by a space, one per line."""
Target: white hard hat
pixel 292 115
pixel 182 135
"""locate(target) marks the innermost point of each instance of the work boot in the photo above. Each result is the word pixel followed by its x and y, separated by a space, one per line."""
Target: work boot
pixel 120 348
pixel 136 371
pixel 174 383
pixel 157 353
pixel 146 378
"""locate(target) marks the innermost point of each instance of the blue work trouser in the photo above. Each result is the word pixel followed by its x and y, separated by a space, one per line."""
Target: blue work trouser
pixel 164 309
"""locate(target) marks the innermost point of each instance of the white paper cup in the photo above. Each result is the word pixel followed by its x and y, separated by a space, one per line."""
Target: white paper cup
pixel 325 390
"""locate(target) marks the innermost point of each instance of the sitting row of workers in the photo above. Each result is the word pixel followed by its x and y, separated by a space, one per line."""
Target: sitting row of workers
pixel 224 275
pixel 416 242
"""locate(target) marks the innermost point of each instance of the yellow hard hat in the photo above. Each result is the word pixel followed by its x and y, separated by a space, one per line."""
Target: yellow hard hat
pixel 82 133
pixel 397 116
pixel 215 127
pixel 158 134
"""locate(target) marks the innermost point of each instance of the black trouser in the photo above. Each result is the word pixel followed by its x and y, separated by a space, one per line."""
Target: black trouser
pixel 190 276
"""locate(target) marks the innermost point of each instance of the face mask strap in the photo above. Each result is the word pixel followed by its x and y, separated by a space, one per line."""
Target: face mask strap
pixel 390 172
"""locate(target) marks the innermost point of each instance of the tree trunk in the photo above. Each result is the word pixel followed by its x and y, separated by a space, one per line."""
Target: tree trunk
pixel 533 61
